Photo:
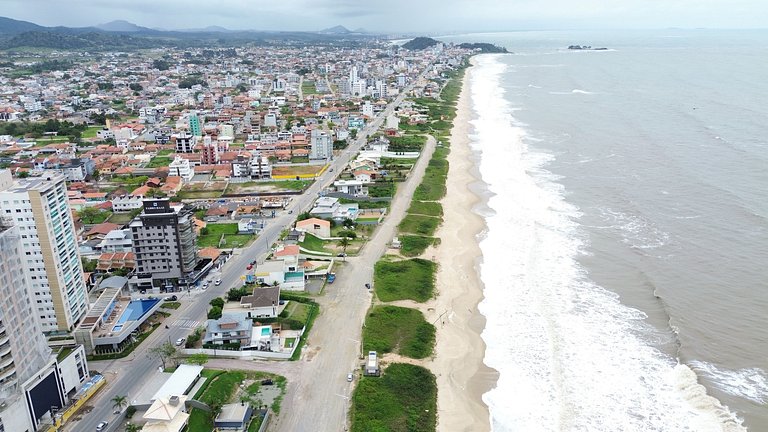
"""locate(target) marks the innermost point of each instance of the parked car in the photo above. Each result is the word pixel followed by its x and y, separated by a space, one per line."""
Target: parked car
pixel 250 266
pixel 171 298
pixel 350 377
pixel 101 426
pixel 218 282
pixel 180 341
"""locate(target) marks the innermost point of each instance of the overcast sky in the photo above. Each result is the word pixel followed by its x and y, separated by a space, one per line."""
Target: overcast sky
pixel 414 16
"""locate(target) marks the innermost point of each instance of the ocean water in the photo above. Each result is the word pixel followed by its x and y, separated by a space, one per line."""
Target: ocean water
pixel 625 260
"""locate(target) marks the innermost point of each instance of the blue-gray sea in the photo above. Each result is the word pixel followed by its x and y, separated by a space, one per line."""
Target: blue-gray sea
pixel 625 260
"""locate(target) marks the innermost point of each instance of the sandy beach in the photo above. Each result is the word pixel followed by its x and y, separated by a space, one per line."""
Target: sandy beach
pixel 462 378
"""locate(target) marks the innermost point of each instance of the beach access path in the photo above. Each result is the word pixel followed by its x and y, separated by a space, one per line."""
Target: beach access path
pixel 319 399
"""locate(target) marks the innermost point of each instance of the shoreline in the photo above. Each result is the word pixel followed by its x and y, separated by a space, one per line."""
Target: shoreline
pixel 462 377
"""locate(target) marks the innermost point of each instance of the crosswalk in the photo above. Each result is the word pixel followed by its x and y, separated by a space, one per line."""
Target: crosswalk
pixel 186 323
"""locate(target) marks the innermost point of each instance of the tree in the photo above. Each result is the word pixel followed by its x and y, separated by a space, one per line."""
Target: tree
pixel 344 242
pixel 135 87
pixel 214 313
pixel 166 351
pixel 218 302
pixel 156 193
pixel 198 359
pixel 89 215
pixel 131 427
pixel 119 402
pixel 89 265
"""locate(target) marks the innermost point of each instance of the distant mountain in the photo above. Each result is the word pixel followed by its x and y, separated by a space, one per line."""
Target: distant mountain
pixel 216 29
pixel 10 26
pixel 420 43
pixel 125 35
pixel 121 26
pixel 336 30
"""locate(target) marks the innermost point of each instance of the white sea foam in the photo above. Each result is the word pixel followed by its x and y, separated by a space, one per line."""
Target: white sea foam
pixel 749 383
pixel 569 353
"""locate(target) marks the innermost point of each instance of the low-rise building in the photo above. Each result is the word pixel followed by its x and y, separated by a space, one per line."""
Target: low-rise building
pixel 231 328
pixel 315 226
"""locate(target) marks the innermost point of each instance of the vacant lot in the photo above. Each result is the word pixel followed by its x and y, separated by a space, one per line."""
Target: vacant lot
pixel 417 224
pixel 403 399
pixel 426 208
pixel 412 245
pixel 400 330
pixel 412 279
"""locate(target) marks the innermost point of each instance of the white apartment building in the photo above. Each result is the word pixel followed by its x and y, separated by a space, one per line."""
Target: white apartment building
pixel 181 167
pixel 126 203
pixel 23 349
pixel 39 208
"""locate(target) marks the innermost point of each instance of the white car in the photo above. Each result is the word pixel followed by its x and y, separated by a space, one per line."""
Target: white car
pixel 350 377
pixel 218 282
pixel 101 426
pixel 180 341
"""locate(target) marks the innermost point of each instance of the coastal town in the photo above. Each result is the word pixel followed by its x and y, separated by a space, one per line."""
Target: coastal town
pixel 224 238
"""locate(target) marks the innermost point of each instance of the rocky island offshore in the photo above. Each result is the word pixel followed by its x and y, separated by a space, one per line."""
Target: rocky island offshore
pixel 586 48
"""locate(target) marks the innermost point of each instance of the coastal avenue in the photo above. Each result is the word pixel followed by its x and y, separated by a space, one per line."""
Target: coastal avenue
pixel 128 376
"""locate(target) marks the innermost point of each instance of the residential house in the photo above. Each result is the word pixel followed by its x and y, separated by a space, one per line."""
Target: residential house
pixel 315 226
pixel 262 303
pixel 229 329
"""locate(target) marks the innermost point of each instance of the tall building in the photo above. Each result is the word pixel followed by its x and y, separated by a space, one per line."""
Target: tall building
pixel 33 383
pixel 321 145
pixel 209 152
pixel 194 125
pixel 164 242
pixel 185 143
pixel 39 208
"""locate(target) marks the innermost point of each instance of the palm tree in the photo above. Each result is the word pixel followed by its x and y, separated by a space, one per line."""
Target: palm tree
pixel 130 427
pixel 344 242
pixel 119 402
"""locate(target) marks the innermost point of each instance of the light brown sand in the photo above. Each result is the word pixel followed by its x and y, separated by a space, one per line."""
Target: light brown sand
pixel 462 378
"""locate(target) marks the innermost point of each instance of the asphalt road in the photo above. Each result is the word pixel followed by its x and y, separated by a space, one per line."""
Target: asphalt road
pixel 319 399
pixel 126 377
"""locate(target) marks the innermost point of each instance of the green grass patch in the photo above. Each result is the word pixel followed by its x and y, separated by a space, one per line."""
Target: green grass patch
pixel 166 152
pixel 383 189
pixel 313 243
pixel 417 224
pixel 229 241
pixel 412 246
pixel 404 399
pixel 400 330
pixel 426 208
pixel 412 279
pixel 159 161
pixel 90 131
pixel 219 229
pixel 171 305
pixel 308 88
pixel 296 311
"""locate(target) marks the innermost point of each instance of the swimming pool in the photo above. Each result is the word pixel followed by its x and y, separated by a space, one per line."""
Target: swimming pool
pixel 135 310
pixel 266 331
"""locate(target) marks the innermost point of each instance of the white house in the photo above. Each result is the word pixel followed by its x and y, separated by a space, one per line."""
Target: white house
pixel 126 203
pixel 262 303
pixel 318 227
pixel 181 167
pixel 352 187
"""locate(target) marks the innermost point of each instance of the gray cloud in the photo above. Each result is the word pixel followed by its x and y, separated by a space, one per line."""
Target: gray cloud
pixel 396 15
